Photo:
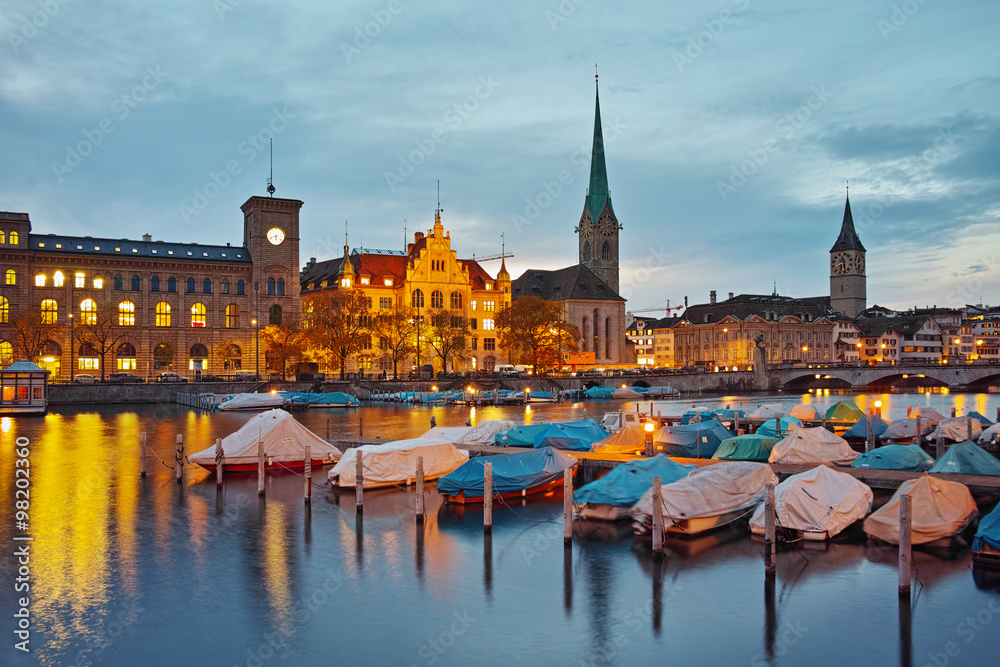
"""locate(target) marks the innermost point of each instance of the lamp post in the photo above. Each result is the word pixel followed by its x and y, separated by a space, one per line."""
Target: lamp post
pixel 256 347
pixel 71 341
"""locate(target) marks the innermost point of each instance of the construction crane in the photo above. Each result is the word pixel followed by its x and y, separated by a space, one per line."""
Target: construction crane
pixel 667 310
pixel 490 258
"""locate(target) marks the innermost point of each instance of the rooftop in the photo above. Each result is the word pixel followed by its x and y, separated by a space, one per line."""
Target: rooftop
pixel 88 245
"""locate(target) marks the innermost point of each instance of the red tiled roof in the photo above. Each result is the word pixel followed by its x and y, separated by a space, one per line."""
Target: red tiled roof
pixel 478 277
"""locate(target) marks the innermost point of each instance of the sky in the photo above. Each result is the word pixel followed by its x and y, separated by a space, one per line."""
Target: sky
pixel 731 129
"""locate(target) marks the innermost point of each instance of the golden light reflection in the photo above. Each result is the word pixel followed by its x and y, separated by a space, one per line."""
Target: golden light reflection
pixel 5 424
pixel 275 556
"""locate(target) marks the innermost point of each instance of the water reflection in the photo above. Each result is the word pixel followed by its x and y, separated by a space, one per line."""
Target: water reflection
pixel 905 631
pixel 568 578
pixel 488 565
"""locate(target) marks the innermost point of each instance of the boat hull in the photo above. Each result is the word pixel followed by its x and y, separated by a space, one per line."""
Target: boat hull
pixel 600 512
pixel 273 466
pixel 461 498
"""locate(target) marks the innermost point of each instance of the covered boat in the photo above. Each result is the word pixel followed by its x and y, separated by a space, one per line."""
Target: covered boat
pixel 983 421
pixel 956 429
pixel 967 458
pixel 284 439
pixel 927 414
pixel 769 411
pixel 859 432
pixel 666 390
pixel 483 433
pixel 749 447
pixel 708 498
pixel 778 428
pixel 698 440
pixel 611 497
pixel 266 401
pixel 895 457
pixel 986 543
pixel 330 399
pixel 802 411
pixel 905 430
pixel 629 439
pixel 817 504
pixel 391 463
pixel 845 411
pixel 625 392
pixel 599 392
pixel 940 510
pixel 991 436
pixel 813 445
pixel 514 475
pixel 698 415
pixel 577 436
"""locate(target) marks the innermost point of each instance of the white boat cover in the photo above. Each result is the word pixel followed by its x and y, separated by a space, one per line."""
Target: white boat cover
pixel 812 445
pixel 769 411
pixel 957 429
pixel 801 411
pixel 627 440
pixel 990 435
pixel 712 490
pixel 395 462
pixel 927 414
pixel 252 402
pixel 483 433
pixel 625 392
pixel 284 440
pixel 939 509
pixel 818 500
pixel 903 429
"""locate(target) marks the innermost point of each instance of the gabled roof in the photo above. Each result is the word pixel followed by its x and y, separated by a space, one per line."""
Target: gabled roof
pixel 103 247
pixel 848 239
pixel 478 277
pixel 378 267
pixel 873 327
pixel 745 306
pixel 575 282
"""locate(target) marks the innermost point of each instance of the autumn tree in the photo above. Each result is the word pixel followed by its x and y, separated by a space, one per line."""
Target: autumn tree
pixel 535 329
pixel 281 344
pixel 31 330
pixel 227 352
pixel 100 328
pixel 339 324
pixel 448 335
pixel 397 332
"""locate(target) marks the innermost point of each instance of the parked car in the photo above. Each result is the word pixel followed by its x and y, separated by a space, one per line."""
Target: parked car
pixel 125 378
pixel 507 371
pixel 83 378
pixel 170 377
pixel 246 376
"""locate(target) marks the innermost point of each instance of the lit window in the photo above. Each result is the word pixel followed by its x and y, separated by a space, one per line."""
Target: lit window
pixel 489 306
pixel 388 282
pixel 488 325
pixel 57 279
pixel 4 310
pixel 11 277
pixel 473 305
pixel 198 315
pixel 489 286
pixel 364 281
pixel 50 311
pixel 13 238
pixel 97 247
pixel 41 245
pixel 88 312
pixel 346 282
pixel 232 316
pixel 3 237
pixel 40 280
pixel 163 314
pixel 126 314
pixel 79 280
pixel 59 245
pixel 98 283
pixel 134 250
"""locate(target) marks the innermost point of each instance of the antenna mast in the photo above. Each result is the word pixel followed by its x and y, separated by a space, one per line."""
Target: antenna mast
pixel 270 184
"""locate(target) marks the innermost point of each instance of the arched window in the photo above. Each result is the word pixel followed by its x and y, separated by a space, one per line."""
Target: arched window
pixel 456 301
pixel 607 337
pixel 11 277
pixel 3 237
pixel 154 284
pixel 274 315
pixel 270 285
pixel 206 286
pixel 606 251
pixel 163 357
pixel 586 251
pixel 117 282
pixel 199 358
pixel 4 310
pixel 437 299
pixel 6 349
pixel 50 311
pixel 417 299
pixel 57 279
pixel 126 314
pixel 13 238
pixel 583 332
pixel 126 357
pixel 88 312
pixel 232 316
pixel 234 358
pixel 171 284
pixel 597 342
pixel 190 286
pixel 240 287
pixel 136 283
pixel 163 314
pixel 88 359
pixel 40 280
pixel 225 286
pixel 198 315
pixel 281 287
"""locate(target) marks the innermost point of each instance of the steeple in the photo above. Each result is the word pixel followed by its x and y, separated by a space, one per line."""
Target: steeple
pixel 848 239
pixel 346 271
pixel 598 194
pixel 502 274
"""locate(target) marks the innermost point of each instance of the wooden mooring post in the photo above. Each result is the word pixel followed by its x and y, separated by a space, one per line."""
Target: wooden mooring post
pixel 260 468
pixel 567 505
pixel 179 459
pixel 488 497
pixel 905 560
pixel 307 479
pixel 657 516
pixel 769 529
pixel 361 427
pixel 869 434
pixel 220 459
pixel 359 482
pixel 420 489
pixel 142 454
pixel 968 426
pixel 938 447
pixel 919 434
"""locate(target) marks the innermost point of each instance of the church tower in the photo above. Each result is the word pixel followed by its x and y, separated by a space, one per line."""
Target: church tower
pixel 598 228
pixel 848 283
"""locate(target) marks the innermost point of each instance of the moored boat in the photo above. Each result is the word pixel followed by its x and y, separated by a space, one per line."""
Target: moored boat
pixel 514 475
pixel 611 497
pixel 265 401
pixel 940 512
pixel 986 543
pixel 392 463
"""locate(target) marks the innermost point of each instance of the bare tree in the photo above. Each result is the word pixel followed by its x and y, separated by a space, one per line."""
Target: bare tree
pixel 32 329
pixel 448 336
pixel 397 332
pixel 102 330
pixel 535 328
pixel 338 324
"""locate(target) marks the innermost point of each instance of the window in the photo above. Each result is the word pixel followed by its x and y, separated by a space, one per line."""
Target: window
pixel 385 302
pixel 274 315
pixel 234 358
pixel 206 286
pixel 232 316
pixel 126 357
pixel 98 283
pixel 57 279
pixel 473 305
pixel 456 300
pixel 88 360
pixel 240 287
pixel 606 251
pixel 437 299
pixel 198 315
pixel 489 306
pixel 88 312
pixel 199 355
pixel 163 356
pixel 171 284
pixel 4 310
pixel 475 344
pixel 607 337
pixel 126 314
pixel 388 282
pixel 40 280
pixel 117 283
pixel 281 285
pixel 473 323
pixel 11 277
pixel 50 311
pixel 3 237
pixel 270 285
pixel 13 238
pixel 6 349
pixel 225 286
pixel 163 314
pixel 136 283
pixel 417 299
pixel 154 284
pixel 489 344
pixel 487 325
pixel 190 286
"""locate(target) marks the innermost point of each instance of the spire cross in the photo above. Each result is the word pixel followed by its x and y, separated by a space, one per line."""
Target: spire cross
pixel 503 246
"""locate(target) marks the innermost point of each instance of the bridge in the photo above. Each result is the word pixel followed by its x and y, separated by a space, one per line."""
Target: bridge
pixel 967 377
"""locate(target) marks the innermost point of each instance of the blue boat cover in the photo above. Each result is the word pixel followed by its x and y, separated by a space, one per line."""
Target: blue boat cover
pixel 749 447
pixel 726 413
pixel 625 484
pixel 969 458
pixel 578 436
pixel 693 440
pixel 860 428
pixel 988 531
pixel 895 457
pixel 707 416
pixel 511 472
pixel 523 435
pixel 982 420
pixel 599 392
pixel 337 398
pixel 769 429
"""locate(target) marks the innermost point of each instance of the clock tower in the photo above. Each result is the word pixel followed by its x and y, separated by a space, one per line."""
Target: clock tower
pixel 271 234
pixel 848 282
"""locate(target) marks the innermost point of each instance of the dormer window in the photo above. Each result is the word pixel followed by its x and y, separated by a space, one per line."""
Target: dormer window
pixel 388 282
pixel 345 282
pixel 364 281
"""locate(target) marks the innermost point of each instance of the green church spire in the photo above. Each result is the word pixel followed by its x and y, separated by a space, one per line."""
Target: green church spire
pixel 598 194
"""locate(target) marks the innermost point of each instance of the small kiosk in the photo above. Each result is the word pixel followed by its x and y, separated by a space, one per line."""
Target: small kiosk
pixel 24 389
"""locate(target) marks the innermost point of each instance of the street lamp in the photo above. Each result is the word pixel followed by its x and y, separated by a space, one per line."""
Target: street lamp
pixel 648 427
pixel 71 342
pixel 256 348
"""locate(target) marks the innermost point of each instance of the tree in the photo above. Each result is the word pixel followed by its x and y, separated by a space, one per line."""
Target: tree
pixel 227 352
pixel 32 330
pixel 100 329
pixel 535 329
pixel 397 332
pixel 339 324
pixel 448 336
pixel 281 344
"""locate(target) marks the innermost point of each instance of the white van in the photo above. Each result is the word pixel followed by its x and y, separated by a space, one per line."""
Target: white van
pixel 506 371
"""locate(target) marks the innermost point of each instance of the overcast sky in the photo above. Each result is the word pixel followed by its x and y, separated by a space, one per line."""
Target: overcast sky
pixel 731 127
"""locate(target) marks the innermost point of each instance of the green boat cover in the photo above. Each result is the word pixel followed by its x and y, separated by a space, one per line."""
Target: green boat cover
pixel 968 458
pixel 769 429
pixel 625 484
pixel 749 447
pixel 845 411
pixel 524 435
pixel 693 440
pixel 895 457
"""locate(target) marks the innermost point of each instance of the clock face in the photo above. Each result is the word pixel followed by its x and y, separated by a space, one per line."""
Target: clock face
pixel 275 235
pixel 848 262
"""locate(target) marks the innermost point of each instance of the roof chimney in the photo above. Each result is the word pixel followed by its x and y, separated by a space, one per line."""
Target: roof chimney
pixel 730 295
pixel 711 296
pixel 146 238
pixel 685 302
